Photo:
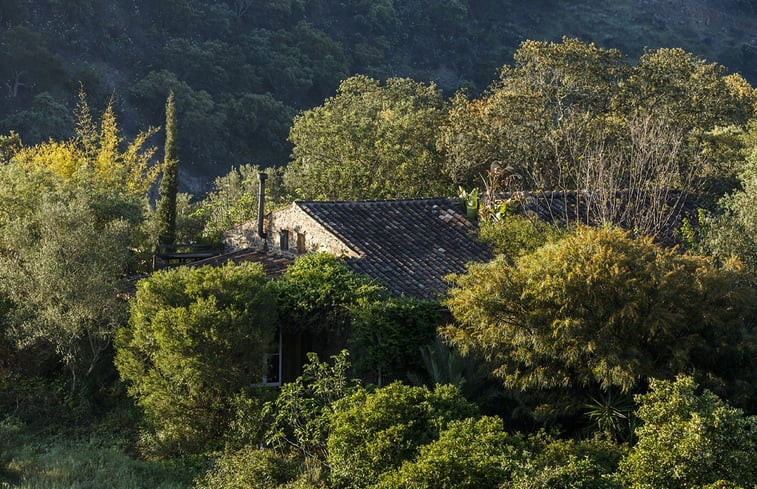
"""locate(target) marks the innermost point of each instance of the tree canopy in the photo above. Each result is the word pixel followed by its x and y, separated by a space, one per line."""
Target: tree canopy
pixel 370 141
pixel 732 233
pixel 242 68
pixel 69 219
pixel 96 148
pixel 196 337
pixel 690 439
pixel 598 310
pixel 562 106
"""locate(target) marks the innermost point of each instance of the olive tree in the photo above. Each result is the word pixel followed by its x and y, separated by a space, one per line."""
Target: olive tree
pixel 67 221
pixel 63 268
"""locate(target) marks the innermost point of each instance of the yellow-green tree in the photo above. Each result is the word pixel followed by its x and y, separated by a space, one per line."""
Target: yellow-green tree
pixel 68 220
pixel 97 148
pixel 600 311
pixel 375 432
pixel 470 453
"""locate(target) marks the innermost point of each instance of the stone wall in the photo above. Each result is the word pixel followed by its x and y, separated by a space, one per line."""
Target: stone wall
pixel 242 236
pixel 305 235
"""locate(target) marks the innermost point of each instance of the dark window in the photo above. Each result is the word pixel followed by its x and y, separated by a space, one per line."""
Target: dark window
pixel 272 364
pixel 272 368
pixel 284 240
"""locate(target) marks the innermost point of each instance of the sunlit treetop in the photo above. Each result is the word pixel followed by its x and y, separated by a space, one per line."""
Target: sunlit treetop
pixel 97 149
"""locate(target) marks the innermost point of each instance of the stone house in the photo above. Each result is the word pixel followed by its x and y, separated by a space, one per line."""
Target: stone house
pixel 407 245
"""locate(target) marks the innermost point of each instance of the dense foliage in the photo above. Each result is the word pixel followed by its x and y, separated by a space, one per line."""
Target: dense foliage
pixel 68 224
pixel 469 453
pixel 569 322
pixel 514 235
pixel 599 310
pixel 572 115
pixel 302 411
pixel 565 116
pixel 732 233
pixel 400 436
pixel 374 432
pixel 241 69
pixel 386 335
pixel 186 324
pixel 370 141
pixel 690 439
pixel 251 468
pixel 590 463
pixel 317 294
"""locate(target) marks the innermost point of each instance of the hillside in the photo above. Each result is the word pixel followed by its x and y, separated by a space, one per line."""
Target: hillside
pixel 242 68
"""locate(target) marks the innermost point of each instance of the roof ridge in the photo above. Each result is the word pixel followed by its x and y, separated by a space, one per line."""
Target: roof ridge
pixel 375 201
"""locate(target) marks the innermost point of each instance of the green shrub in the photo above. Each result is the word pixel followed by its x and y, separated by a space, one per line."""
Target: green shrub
pixel 732 234
pixel 301 413
pixel 374 432
pixel 196 338
pixel 317 292
pixel 722 485
pixel 567 464
pixel 690 439
pixel 470 453
pixel 386 337
pixel 575 472
pixel 250 418
pixel 515 235
pixel 251 468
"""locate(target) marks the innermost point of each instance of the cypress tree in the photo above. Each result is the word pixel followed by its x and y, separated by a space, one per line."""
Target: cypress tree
pixel 169 183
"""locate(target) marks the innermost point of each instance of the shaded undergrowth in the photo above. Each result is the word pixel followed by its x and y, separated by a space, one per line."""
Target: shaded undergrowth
pixel 49 444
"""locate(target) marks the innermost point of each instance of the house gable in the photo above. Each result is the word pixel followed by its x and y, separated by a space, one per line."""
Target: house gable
pixel 294 227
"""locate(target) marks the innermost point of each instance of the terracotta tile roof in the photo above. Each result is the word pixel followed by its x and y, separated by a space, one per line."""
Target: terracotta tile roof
pixel 274 265
pixel 410 245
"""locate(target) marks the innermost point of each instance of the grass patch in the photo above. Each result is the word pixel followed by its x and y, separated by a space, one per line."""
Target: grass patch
pixel 32 458
pixel 48 442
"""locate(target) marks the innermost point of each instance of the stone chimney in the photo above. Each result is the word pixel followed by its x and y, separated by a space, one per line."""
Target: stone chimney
pixel 261 208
